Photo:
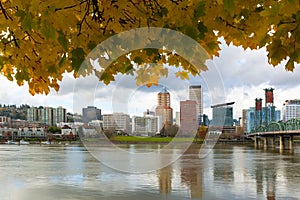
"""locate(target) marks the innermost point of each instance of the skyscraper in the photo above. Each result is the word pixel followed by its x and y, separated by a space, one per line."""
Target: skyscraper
pixel 91 113
pixel 61 115
pixel 48 115
pixel 195 94
pixel 32 114
pixel 248 120
pixel 163 108
pixel 222 114
pixel 188 116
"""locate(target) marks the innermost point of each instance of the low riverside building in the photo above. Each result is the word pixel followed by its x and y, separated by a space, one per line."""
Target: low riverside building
pixel 90 131
pixel 5 121
pixel 31 132
pixel 96 123
pixel 68 131
pixel 8 133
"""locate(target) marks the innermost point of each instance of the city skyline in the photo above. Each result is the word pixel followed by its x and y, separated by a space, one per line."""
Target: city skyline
pixel 243 74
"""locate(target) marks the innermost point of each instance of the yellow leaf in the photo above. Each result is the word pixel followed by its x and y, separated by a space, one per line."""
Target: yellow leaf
pixel 290 65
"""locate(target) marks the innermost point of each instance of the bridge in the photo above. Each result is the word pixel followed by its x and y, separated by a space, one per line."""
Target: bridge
pixel 281 133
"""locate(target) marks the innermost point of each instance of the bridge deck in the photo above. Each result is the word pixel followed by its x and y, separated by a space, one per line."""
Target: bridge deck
pixel 275 133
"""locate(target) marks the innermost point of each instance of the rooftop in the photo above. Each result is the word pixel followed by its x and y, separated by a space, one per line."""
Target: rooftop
pixel 164 90
pixel 222 105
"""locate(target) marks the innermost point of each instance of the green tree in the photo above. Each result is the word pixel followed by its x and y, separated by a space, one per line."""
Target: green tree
pixel 171 130
pixel 41 40
pixel 54 129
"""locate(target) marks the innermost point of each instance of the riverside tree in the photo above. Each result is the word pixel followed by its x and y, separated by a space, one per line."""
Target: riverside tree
pixel 41 40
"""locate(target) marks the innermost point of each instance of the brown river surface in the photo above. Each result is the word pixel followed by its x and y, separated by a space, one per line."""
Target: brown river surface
pixel 45 172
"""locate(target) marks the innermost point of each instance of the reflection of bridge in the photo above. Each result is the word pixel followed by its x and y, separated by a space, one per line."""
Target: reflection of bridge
pixel 282 131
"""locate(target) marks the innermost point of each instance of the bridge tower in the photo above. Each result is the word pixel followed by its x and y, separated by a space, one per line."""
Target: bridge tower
pixel 269 106
pixel 258 113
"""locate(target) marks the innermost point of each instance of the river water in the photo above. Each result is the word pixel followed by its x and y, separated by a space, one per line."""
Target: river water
pixel 71 172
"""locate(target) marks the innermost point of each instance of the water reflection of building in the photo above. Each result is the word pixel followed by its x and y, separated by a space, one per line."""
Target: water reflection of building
pixel 266 177
pixel 192 173
pixel 165 180
pixel 223 171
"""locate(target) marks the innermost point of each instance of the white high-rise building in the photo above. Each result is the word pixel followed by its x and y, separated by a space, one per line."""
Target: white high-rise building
pixel 195 94
pixel 291 109
pixel 117 121
pixel 48 115
pixel 32 114
pixel 61 115
pixel 147 125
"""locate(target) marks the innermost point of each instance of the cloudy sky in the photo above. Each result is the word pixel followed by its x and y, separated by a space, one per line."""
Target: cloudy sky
pixel 242 74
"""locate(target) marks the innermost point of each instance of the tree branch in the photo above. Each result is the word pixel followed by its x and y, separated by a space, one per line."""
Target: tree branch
pixel 72 6
pixel 4 12
pixel 231 25
pixel 83 19
pixel 32 38
pixel 15 40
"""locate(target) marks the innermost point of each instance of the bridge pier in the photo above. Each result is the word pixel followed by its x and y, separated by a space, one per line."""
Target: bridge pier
pixel 286 143
pixel 281 142
pixel 265 142
pixel 270 141
pixel 291 142
pixel 255 142
pixel 259 142
pixel 269 138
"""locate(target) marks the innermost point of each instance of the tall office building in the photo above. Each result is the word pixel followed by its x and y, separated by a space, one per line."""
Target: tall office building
pixel 91 113
pixel 248 120
pixel 188 116
pixel 163 109
pixel 32 114
pixel 291 109
pixel 195 94
pixel 48 115
pixel 222 114
pixel 277 115
pixel 61 114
